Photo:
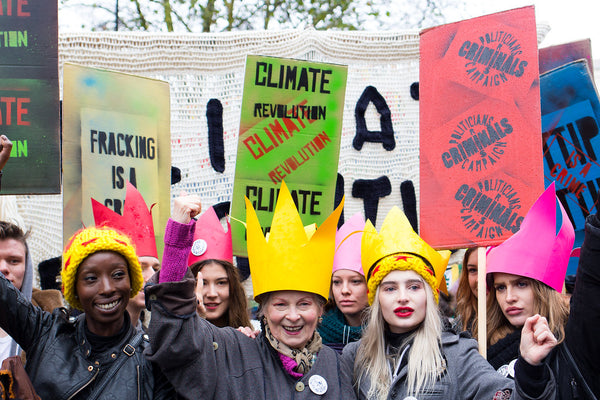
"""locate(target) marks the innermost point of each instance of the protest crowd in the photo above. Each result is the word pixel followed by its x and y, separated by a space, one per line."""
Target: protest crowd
pixel 283 296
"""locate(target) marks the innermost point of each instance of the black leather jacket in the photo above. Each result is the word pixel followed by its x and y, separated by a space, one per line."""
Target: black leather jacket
pixel 58 355
pixel 575 361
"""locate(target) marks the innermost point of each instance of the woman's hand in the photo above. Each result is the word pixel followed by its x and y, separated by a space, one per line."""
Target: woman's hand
pixel 252 334
pixel 537 340
pixel 186 207
pixel 5 149
pixel 200 309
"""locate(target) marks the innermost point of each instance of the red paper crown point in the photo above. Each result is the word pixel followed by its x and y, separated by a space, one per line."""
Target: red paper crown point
pixel 211 241
pixel 136 221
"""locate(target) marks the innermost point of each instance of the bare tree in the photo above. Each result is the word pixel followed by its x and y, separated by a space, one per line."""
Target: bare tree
pixel 229 15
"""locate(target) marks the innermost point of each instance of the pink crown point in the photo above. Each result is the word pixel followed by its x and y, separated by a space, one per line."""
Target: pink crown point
pixel 136 221
pixel 536 251
pixel 347 245
pixel 211 241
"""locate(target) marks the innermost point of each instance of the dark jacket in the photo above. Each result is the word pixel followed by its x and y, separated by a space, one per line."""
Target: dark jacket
pixel 58 354
pixel 467 375
pixel 583 327
pixel 575 362
pixel 206 362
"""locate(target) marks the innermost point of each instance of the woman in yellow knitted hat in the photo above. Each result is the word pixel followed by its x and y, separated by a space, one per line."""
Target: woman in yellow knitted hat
pixel 404 354
pixel 99 352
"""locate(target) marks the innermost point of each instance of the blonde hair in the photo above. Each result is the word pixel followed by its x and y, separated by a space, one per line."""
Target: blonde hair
pixel 425 360
pixel 547 302
pixel 466 302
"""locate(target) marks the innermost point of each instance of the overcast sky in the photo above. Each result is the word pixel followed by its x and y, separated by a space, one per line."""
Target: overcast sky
pixel 569 19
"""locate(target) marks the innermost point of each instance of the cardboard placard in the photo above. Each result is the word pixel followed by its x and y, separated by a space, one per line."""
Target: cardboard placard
pixel 116 129
pixel 29 100
pixel 290 128
pixel 570 124
pixel 555 56
pixel 481 169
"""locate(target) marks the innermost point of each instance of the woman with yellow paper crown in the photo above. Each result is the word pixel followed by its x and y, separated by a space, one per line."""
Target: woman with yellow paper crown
pixel 287 360
pixel 404 354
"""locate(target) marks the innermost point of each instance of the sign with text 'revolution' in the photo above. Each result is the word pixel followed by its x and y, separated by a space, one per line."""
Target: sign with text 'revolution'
pixel 570 121
pixel 290 129
pixel 116 129
pixel 481 169
pixel 29 99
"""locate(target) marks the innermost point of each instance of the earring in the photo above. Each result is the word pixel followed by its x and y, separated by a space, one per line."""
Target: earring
pixel 320 319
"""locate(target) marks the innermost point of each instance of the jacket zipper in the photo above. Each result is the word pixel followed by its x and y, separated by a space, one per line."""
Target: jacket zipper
pixel 84 386
pixel 574 391
pixel 137 367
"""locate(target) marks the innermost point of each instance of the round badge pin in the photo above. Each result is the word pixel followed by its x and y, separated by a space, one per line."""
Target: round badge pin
pixel 317 384
pixel 199 247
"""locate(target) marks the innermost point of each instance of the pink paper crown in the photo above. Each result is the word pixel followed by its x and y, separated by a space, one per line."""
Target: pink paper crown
pixel 136 221
pixel 536 251
pixel 347 245
pixel 211 242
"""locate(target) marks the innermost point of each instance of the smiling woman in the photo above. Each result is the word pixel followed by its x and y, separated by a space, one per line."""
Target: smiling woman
pixel 287 360
pixel 100 351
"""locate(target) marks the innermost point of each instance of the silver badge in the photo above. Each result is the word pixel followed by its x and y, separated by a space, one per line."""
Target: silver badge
pixel 199 247
pixel 317 384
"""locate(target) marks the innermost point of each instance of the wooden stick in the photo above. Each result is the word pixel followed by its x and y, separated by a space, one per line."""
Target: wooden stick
pixel 481 303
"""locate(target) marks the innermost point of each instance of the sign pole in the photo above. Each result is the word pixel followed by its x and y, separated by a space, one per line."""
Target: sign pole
pixel 481 302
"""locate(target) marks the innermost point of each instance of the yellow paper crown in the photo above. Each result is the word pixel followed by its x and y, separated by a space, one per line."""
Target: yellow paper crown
pixel 397 236
pixel 291 259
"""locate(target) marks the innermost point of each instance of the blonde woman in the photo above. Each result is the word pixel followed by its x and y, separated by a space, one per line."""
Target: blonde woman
pixel 404 351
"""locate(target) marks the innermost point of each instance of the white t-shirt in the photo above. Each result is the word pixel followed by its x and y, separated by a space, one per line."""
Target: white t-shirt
pixel 5 347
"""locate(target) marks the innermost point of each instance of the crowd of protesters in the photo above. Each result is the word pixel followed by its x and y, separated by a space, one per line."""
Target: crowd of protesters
pixel 348 313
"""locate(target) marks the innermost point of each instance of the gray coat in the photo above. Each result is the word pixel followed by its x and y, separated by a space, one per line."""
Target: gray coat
pixel 468 375
pixel 206 362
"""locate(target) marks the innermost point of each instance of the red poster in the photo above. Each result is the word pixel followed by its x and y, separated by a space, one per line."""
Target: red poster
pixel 481 167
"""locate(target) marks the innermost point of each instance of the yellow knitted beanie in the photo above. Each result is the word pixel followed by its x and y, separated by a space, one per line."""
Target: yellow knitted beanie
pixel 91 240
pixel 402 262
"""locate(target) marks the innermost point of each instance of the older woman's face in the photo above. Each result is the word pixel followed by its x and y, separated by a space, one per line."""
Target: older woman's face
pixel 292 316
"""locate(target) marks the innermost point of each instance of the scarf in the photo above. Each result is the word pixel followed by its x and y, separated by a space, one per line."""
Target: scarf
pixel 304 358
pixel 504 350
pixel 334 329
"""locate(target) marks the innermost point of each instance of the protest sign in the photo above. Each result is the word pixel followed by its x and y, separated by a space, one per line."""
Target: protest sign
pixel 29 101
pixel 570 115
pixel 116 129
pixel 290 129
pixel 480 118
pixel 555 56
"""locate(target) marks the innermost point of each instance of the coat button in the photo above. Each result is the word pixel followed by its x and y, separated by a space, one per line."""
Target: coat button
pixel 215 345
pixel 299 387
pixel 90 368
pixel 152 297
pixel 113 356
